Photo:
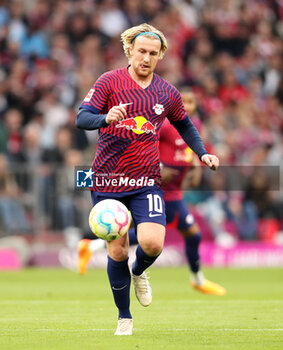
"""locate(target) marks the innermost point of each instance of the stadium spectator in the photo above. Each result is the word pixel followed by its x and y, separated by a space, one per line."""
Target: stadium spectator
pixel 12 137
pixel 51 160
pixel 13 219
pixel 34 44
pixel 69 200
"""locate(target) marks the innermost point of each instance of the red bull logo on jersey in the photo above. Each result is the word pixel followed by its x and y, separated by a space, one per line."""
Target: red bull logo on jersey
pixel 158 109
pixel 138 125
pixel 129 124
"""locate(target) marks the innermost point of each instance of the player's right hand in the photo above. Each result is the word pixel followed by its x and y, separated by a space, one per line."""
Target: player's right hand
pixel 211 161
pixel 115 114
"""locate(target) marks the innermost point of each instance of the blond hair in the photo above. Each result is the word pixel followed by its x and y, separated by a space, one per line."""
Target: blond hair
pixel 129 35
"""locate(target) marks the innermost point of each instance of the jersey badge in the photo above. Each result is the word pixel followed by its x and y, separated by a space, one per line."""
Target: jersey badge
pixel 89 95
pixel 158 109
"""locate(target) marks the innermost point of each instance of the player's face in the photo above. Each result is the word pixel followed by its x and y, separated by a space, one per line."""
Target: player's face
pixel 145 54
pixel 189 101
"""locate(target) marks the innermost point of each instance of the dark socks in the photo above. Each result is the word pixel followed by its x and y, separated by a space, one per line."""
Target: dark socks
pixel 192 254
pixel 120 282
pixel 142 262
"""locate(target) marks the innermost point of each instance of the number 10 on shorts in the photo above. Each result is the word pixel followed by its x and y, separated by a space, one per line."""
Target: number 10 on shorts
pixel 154 203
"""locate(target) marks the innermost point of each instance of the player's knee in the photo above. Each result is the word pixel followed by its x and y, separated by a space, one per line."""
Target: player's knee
pixel 153 248
pixel 156 249
pixel 191 231
pixel 118 253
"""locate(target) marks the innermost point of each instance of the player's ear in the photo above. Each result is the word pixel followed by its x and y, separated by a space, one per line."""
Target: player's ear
pixel 160 56
pixel 131 47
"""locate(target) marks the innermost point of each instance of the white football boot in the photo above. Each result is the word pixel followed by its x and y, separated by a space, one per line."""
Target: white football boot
pixel 125 326
pixel 142 289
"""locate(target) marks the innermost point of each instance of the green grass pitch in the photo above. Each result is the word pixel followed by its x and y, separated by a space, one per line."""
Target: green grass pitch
pixel 59 310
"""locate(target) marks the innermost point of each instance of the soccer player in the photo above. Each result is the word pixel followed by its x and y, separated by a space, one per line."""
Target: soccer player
pixel 177 160
pixel 128 106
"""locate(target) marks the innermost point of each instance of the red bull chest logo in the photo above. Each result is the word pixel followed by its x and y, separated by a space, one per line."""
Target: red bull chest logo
pixel 138 125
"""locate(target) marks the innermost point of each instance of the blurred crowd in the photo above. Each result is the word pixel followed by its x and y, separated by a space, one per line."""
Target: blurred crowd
pixel 229 52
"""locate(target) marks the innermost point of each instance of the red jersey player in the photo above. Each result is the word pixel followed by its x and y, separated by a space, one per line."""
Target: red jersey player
pixel 128 106
pixel 177 159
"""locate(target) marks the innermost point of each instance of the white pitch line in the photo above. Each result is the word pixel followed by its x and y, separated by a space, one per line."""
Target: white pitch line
pixel 161 330
pixel 187 301
pixel 229 329
pixel 28 302
pixel 56 330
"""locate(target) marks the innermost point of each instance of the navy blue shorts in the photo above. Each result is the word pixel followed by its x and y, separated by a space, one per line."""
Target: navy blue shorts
pixel 145 206
pixel 178 211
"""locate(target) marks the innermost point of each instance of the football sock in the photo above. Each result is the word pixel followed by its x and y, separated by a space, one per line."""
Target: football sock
pixel 198 278
pixel 120 281
pixel 142 262
pixel 133 237
pixel 192 254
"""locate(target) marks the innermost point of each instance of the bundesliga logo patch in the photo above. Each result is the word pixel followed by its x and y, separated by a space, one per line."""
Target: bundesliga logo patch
pixel 89 95
pixel 84 178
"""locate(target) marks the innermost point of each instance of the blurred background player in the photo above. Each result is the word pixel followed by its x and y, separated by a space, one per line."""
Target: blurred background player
pixel 177 161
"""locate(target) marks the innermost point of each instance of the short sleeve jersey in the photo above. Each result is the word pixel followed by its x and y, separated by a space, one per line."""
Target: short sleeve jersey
pixel 127 155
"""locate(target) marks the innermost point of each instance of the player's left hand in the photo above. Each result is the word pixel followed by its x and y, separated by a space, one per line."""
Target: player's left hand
pixel 211 161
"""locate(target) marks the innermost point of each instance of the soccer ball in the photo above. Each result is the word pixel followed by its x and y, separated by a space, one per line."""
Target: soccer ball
pixel 109 219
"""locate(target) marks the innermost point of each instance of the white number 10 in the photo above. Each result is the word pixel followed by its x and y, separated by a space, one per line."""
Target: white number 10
pixel 154 203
